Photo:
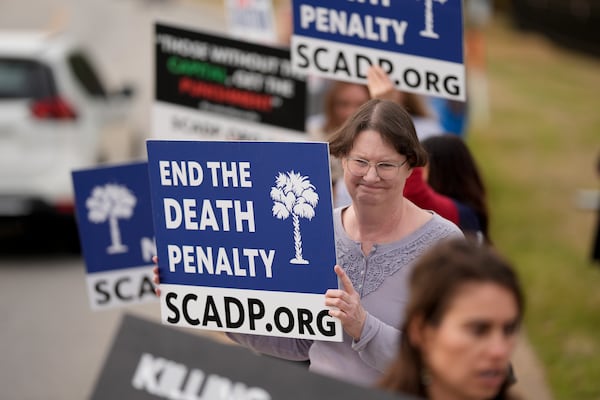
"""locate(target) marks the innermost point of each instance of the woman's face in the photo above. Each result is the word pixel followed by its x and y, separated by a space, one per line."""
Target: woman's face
pixel 467 355
pixel 347 100
pixel 370 146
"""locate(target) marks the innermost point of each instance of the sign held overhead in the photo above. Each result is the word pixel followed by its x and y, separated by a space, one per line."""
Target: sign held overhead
pixel 419 43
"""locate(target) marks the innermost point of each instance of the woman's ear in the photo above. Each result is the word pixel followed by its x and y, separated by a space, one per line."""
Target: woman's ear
pixel 416 331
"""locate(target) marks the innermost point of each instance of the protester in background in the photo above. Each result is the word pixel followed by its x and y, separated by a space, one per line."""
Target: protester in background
pixel 419 192
pixel 452 171
pixel 342 99
pixel 460 325
pixel 378 237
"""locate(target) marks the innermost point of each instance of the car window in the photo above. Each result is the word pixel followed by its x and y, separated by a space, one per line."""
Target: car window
pixel 25 79
pixel 85 74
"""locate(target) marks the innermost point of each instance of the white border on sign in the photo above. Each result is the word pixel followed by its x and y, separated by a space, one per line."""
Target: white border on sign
pixel 252 21
pixel 127 280
pixel 413 67
pixel 275 313
pixel 181 123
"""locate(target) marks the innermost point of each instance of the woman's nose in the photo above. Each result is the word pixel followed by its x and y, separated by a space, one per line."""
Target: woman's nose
pixel 501 346
pixel 371 173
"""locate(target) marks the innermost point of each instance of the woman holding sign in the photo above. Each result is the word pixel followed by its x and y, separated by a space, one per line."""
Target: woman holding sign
pixel 378 238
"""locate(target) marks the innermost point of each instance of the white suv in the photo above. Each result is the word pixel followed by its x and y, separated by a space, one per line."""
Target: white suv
pixel 55 116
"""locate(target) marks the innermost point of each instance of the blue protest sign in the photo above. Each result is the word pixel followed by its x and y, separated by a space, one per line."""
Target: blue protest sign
pixel 114 219
pixel 419 43
pixel 250 223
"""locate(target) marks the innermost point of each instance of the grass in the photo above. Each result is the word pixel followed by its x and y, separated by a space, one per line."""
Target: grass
pixel 539 146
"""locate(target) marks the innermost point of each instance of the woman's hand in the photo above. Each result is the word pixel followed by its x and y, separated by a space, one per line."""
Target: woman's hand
pixel 347 301
pixel 156 278
pixel 380 85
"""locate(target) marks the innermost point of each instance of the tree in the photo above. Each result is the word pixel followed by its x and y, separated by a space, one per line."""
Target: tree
pixel 428 31
pixel 294 195
pixel 111 202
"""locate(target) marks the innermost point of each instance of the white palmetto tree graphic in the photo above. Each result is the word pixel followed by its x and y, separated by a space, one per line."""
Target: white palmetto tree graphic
pixel 294 195
pixel 111 202
pixel 428 31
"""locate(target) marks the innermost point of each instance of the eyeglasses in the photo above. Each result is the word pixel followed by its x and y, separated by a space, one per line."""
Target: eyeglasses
pixel 385 169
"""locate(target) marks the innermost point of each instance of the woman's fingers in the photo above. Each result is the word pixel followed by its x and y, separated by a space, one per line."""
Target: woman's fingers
pixel 348 309
pixel 344 279
pixel 335 298
pixel 156 276
pixel 380 85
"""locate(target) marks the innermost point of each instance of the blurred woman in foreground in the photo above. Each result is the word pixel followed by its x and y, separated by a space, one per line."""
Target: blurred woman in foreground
pixel 461 324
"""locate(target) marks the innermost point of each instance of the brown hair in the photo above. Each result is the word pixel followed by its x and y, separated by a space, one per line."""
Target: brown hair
pixel 330 101
pixel 416 105
pixel 454 173
pixel 393 123
pixel 437 276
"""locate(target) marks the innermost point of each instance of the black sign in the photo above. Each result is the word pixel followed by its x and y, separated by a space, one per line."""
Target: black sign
pixel 237 79
pixel 153 361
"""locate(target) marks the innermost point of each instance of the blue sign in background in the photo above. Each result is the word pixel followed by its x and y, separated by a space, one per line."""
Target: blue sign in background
pixel 267 160
pixel 96 237
pixel 447 20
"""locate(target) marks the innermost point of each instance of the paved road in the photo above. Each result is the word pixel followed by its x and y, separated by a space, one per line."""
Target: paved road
pixel 52 344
